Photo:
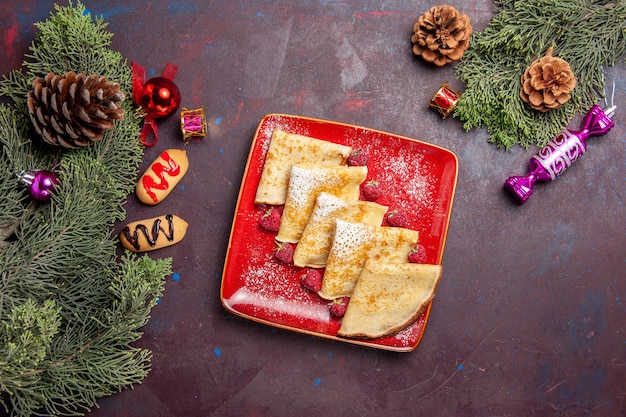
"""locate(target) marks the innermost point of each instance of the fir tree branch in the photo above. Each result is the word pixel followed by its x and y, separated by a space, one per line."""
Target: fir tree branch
pixel 70 308
pixel 587 34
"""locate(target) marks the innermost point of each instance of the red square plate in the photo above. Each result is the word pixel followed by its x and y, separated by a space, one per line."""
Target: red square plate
pixel 418 178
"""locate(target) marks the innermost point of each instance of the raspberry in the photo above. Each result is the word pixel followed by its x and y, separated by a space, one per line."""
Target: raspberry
pixel 284 252
pixel 372 190
pixel 312 280
pixel 417 255
pixel 270 220
pixel 358 157
pixel 396 218
pixel 338 307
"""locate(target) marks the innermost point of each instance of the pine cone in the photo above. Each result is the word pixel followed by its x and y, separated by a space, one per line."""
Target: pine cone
pixel 74 110
pixel 547 83
pixel 441 35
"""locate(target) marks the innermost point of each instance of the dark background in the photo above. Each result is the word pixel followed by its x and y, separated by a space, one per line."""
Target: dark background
pixel 530 315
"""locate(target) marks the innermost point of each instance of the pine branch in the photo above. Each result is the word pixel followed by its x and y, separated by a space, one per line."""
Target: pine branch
pixel 587 34
pixel 70 309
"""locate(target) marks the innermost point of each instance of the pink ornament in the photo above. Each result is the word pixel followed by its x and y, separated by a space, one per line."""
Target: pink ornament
pixel 40 183
pixel 560 153
pixel 192 123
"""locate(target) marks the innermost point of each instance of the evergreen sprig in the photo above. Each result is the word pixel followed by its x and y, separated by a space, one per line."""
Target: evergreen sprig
pixel 588 34
pixel 70 307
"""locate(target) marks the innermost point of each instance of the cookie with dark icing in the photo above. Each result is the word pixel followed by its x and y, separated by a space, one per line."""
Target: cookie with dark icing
pixel 154 233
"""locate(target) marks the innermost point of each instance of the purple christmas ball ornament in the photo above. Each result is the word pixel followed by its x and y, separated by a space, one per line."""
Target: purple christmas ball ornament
pixel 40 183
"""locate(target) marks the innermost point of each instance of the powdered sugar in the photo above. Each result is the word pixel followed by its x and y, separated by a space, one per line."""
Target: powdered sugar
pixel 409 335
pixel 326 205
pixel 348 237
pixel 273 288
pixel 280 305
pixel 405 336
pixel 404 169
pixel 268 278
pixel 302 182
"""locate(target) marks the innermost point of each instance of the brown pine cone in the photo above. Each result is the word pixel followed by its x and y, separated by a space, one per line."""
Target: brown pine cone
pixel 441 35
pixel 74 110
pixel 547 83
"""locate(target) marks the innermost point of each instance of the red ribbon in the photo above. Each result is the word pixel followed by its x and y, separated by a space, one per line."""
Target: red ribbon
pixel 139 79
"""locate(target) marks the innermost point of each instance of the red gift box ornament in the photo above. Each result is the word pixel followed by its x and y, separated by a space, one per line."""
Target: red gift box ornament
pixel 445 100
pixel 158 97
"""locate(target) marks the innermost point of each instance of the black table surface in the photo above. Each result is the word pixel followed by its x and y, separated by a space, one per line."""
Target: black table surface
pixel 530 315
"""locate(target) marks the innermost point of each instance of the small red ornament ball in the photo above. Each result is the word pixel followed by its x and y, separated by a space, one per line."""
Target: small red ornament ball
pixel 160 97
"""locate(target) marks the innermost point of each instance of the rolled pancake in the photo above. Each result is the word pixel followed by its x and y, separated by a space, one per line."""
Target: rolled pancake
pixel 388 297
pixel 314 244
pixel 306 182
pixel 355 243
pixel 288 149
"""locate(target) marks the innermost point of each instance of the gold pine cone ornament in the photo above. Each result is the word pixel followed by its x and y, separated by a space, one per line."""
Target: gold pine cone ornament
pixel 441 35
pixel 547 83
pixel 74 110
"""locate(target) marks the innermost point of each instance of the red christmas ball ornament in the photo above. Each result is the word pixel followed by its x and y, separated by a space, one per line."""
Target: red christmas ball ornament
pixel 160 97
pixel 40 183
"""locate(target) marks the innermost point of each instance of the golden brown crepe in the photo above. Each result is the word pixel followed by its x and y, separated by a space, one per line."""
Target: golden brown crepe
pixel 312 250
pixel 355 243
pixel 288 149
pixel 306 182
pixel 388 297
